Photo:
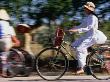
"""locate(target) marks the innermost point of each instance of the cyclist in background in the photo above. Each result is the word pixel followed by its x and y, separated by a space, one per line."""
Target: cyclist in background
pixel 7 39
pixel 90 27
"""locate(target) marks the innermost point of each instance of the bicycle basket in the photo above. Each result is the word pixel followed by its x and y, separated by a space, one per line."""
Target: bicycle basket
pixel 59 34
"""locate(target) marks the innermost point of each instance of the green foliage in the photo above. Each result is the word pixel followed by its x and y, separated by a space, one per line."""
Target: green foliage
pixel 54 8
pixel 106 28
pixel 46 37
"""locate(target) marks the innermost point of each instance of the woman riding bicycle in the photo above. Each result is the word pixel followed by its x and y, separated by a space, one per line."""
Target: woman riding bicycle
pixel 89 26
pixel 7 39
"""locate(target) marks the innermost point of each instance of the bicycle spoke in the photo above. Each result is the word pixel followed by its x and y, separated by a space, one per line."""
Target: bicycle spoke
pixel 99 65
pixel 51 64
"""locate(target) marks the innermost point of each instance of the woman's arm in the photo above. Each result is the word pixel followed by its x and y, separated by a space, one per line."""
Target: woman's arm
pixel 85 25
pixel 16 41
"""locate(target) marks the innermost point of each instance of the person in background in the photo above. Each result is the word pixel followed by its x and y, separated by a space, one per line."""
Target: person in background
pixel 8 39
pixel 25 29
pixel 89 26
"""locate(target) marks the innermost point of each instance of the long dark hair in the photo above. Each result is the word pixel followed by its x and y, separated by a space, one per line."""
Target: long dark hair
pixel 99 23
pixel 92 12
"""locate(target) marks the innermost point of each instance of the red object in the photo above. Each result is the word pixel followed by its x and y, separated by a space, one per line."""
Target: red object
pixel 15 41
pixel 22 29
pixel 58 37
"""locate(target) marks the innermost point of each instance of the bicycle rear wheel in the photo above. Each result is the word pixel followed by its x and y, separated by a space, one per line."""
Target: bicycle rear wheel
pixel 21 66
pixel 99 64
pixel 15 60
pixel 51 64
pixel 29 59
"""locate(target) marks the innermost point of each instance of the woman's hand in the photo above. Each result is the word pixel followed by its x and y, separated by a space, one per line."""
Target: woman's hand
pixel 16 44
pixel 73 30
pixel 15 41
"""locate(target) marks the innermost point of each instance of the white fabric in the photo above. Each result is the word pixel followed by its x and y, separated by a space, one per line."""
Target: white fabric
pixel 6 28
pixel 7 32
pixel 81 46
pixel 88 26
pixel 4 15
pixel 100 37
pixel 5 43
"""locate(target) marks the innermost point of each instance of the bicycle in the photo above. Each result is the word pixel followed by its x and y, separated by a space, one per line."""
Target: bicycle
pixel 17 63
pixel 52 62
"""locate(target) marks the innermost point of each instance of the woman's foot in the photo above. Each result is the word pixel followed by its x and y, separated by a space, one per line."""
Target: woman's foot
pixel 78 72
pixel 81 71
pixel 4 75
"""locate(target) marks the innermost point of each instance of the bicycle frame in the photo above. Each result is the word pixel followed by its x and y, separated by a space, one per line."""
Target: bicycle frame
pixel 59 41
pixel 94 61
pixel 67 52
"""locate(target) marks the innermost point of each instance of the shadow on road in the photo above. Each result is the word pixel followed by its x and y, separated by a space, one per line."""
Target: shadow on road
pixel 60 80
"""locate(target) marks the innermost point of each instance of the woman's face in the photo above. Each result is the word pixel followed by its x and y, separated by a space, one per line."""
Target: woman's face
pixel 86 11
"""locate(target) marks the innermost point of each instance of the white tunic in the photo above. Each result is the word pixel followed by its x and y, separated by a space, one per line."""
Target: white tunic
pixel 6 31
pixel 89 25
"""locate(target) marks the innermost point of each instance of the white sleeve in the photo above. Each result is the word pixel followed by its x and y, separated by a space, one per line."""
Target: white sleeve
pixel 87 24
pixel 7 29
pixel 12 31
pixel 82 25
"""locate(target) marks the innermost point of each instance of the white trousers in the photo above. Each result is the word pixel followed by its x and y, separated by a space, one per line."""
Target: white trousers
pixel 5 45
pixel 81 46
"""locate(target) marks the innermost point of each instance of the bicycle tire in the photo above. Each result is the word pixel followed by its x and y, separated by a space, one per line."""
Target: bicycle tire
pixel 27 63
pixel 29 59
pixel 51 66
pixel 97 63
pixel 15 60
pixel 19 53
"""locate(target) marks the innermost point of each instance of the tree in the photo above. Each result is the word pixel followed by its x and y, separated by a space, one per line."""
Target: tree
pixel 105 27
pixel 33 11
pixel 14 7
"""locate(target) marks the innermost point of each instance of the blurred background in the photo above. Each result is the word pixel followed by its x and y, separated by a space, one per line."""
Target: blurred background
pixel 43 16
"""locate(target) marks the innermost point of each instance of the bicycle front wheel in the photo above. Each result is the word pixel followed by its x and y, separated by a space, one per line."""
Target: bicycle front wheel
pixel 51 64
pixel 99 64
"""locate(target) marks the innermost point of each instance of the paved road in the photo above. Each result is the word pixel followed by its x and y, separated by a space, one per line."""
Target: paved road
pixel 63 79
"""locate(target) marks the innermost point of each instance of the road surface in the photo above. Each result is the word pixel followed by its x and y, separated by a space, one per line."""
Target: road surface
pixel 63 79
